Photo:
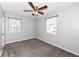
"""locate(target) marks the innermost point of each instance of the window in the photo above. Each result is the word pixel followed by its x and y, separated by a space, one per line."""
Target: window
pixel 51 25
pixel 14 25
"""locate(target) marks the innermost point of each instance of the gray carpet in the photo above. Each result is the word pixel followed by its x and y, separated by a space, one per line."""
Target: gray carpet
pixel 34 48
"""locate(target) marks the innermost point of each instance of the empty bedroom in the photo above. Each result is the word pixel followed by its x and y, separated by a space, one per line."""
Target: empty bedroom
pixel 39 29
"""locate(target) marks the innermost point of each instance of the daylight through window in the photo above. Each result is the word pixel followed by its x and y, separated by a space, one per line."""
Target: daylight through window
pixel 51 25
pixel 14 25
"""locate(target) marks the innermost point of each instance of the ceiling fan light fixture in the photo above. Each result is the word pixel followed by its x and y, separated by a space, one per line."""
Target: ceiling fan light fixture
pixel 35 12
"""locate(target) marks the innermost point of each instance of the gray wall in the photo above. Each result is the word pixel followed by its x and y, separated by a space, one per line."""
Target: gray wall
pixel 27 29
pixel 67 29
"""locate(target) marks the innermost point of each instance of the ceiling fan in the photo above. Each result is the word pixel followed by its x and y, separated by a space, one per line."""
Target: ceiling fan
pixel 36 10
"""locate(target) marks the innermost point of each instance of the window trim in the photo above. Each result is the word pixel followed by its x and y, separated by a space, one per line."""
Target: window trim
pixel 56 24
pixel 17 19
pixel 14 18
pixel 51 17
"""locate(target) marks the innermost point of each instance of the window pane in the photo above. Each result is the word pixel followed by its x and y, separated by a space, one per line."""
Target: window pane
pixel 51 25
pixel 14 25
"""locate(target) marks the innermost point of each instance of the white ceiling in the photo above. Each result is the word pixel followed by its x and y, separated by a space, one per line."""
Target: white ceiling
pixel 17 8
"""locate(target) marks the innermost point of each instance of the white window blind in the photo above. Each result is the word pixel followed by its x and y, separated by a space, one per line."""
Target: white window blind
pixel 14 25
pixel 51 25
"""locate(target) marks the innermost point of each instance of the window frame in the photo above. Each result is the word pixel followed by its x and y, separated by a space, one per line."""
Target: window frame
pixel 47 32
pixel 19 26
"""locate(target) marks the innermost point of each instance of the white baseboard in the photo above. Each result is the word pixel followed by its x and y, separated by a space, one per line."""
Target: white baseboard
pixel 19 40
pixel 59 47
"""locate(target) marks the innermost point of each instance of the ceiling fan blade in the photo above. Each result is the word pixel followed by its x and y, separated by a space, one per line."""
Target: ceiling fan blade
pixel 27 10
pixel 41 8
pixel 40 12
pixel 31 4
